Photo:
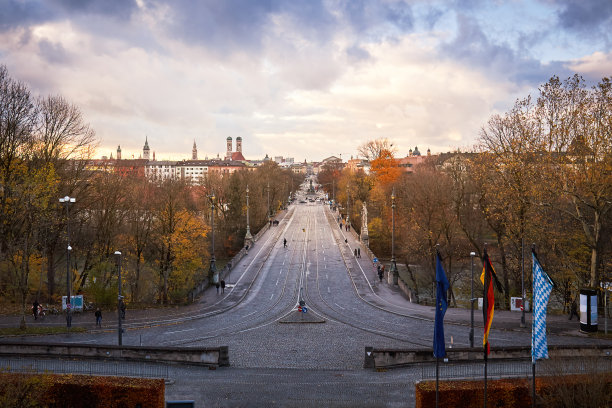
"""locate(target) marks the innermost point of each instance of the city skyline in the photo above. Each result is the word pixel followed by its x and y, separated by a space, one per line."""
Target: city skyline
pixel 301 79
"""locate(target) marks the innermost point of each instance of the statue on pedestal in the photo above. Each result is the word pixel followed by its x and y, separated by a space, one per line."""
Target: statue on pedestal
pixel 364 226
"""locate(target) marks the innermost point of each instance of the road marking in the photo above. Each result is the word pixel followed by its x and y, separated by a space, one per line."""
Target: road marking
pixel 277 282
pixel 328 291
pixel 271 296
pixel 179 331
pixel 339 306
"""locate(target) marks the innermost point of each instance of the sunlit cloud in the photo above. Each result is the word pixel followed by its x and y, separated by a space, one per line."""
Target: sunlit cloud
pixel 297 79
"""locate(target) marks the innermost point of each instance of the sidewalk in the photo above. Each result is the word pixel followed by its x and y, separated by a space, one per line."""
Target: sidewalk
pixel 208 301
pixel 390 296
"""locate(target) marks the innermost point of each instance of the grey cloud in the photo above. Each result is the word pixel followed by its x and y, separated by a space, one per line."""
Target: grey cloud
pixel 364 15
pixel 119 9
pixel 16 13
pixel 53 52
pixel 590 19
pixel 230 25
pixel 585 15
pixel 471 46
pixel 357 54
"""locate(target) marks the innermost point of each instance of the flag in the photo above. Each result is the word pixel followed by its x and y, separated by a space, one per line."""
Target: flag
pixel 487 278
pixel 542 286
pixel 442 286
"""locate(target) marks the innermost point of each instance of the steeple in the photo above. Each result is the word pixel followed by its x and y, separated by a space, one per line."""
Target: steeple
pixel 119 152
pixel 228 154
pixel 239 144
pixel 145 149
pixel 194 151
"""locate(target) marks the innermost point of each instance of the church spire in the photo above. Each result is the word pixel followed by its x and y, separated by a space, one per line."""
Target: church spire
pixel 194 151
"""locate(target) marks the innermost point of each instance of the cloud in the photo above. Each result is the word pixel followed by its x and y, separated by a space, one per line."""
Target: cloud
pixel 16 13
pixel 593 67
pixel 589 19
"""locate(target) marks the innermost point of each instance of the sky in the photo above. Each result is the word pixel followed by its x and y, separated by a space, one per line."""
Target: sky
pixel 297 78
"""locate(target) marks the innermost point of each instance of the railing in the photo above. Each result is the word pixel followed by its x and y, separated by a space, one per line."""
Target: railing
pixel 506 369
pixel 86 367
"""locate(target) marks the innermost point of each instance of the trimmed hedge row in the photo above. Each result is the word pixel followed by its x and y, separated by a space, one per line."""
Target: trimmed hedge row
pixel 553 391
pixel 50 390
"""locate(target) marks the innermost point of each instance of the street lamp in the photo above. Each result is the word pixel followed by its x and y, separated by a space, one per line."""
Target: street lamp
pixel 119 298
pixel 68 200
pixel 472 255
pixel 213 267
pixel 348 206
pixel 248 238
pixel 522 281
pixel 268 188
pixel 393 264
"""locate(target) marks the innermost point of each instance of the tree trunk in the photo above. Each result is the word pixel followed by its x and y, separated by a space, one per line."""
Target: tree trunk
pixel 50 273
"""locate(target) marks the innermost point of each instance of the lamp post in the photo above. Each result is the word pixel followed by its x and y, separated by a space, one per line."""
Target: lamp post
pixel 213 266
pixel 522 282
pixel 119 299
pixel 393 271
pixel 268 188
pixel 348 205
pixel 68 200
pixel 248 238
pixel 472 255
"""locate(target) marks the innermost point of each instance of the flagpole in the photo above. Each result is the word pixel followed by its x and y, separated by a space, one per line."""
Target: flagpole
pixel 533 359
pixel 533 372
pixel 437 378
pixel 485 307
pixel 485 376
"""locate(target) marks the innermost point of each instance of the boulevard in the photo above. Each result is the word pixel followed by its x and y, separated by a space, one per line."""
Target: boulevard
pixel 281 356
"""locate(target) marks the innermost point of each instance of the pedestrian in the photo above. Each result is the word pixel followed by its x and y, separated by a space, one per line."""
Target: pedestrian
pixel 380 273
pixel 222 286
pixel 122 309
pixel 98 315
pixel 355 251
pixel 217 286
pixel 285 242
pixel 358 252
pixel 35 307
pixel 345 241
pixel 574 310
pixel 340 225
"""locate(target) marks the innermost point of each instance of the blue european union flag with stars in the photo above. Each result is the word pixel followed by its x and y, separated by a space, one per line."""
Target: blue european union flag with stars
pixel 542 286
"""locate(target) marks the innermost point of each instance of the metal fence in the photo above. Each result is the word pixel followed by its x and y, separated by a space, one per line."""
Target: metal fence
pixel 87 367
pixel 508 369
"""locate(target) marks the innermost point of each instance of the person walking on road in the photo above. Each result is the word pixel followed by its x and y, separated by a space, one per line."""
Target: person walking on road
pixel 222 286
pixel 122 309
pixel 285 242
pixel 217 286
pixel 574 310
pixel 35 307
pixel 355 252
pixel 98 315
pixel 380 273
pixel 358 252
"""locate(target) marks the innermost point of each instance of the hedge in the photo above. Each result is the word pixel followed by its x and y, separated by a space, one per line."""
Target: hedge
pixel 552 391
pixel 68 390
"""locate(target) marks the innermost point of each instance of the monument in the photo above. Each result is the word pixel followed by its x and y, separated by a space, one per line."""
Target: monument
pixel 364 226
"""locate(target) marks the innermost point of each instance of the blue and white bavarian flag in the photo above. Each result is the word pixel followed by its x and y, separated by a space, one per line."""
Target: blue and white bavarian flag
pixel 542 286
